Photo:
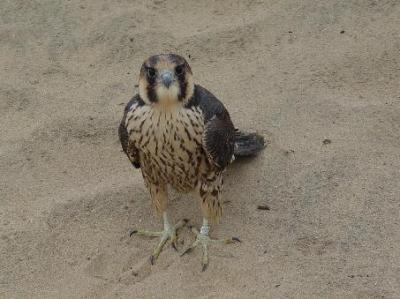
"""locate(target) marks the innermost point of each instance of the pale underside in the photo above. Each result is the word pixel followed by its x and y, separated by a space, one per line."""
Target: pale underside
pixel 169 142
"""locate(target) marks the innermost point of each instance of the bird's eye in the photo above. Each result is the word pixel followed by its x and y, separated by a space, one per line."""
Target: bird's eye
pixel 151 72
pixel 179 70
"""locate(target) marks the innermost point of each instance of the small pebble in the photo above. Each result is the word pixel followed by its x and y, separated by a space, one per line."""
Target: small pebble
pixel 327 141
pixel 263 207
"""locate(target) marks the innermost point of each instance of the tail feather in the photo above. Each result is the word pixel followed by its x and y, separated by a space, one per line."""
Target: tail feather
pixel 248 144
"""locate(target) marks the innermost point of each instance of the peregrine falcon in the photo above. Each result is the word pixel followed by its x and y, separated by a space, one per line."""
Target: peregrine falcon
pixel 181 136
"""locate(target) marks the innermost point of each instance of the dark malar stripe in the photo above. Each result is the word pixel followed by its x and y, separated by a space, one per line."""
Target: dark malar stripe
pixel 182 88
pixel 151 93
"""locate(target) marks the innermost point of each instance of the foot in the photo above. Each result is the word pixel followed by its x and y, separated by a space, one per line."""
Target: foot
pixel 204 240
pixel 169 233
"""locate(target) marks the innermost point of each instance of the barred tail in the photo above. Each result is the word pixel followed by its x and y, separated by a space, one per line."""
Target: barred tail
pixel 248 144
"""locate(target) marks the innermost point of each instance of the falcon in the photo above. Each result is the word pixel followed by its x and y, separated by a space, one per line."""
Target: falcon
pixel 181 136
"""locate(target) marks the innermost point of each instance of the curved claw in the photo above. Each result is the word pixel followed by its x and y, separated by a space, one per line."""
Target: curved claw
pixel 174 245
pixel 204 267
pixel 236 239
pixel 133 232
pixel 188 250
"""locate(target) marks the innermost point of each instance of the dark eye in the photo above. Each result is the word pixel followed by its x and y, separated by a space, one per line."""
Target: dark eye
pixel 151 72
pixel 179 70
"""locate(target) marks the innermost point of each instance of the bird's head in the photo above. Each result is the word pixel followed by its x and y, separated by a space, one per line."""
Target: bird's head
pixel 166 79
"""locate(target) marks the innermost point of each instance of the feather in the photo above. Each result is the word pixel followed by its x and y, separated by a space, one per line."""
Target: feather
pixel 219 132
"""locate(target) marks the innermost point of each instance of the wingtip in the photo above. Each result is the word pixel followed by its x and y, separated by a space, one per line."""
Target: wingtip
pixel 131 233
pixel 248 144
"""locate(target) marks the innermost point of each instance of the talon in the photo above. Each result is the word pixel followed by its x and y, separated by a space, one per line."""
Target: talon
pixel 205 241
pixel 236 239
pixel 186 251
pixel 169 233
pixel 204 267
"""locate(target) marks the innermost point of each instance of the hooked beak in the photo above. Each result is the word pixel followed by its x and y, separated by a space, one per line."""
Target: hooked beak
pixel 167 78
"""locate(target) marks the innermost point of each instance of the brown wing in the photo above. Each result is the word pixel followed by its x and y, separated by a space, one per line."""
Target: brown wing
pixel 219 132
pixel 130 150
pixel 219 140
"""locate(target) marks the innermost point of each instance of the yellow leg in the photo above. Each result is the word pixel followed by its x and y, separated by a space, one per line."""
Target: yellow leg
pixel 159 198
pixel 169 233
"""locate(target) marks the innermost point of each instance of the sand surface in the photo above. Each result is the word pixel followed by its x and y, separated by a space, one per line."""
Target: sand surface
pixel 298 72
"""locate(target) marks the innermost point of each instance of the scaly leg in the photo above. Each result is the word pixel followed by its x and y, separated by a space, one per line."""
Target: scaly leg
pixel 169 233
pixel 204 240
pixel 159 198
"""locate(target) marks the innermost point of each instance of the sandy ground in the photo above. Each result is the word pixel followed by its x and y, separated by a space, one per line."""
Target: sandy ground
pixel 298 72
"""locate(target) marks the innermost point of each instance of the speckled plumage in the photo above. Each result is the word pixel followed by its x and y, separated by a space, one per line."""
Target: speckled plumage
pixel 180 135
pixel 169 144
